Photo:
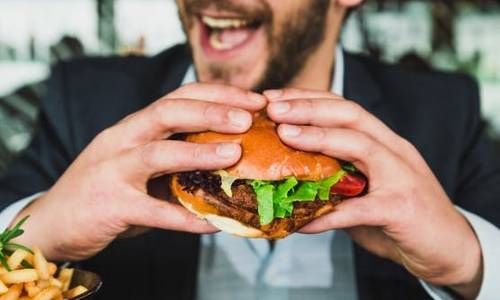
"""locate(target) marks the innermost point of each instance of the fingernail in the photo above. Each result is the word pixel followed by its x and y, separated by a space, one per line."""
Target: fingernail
pixel 273 94
pixel 290 130
pixel 279 107
pixel 257 98
pixel 226 150
pixel 238 118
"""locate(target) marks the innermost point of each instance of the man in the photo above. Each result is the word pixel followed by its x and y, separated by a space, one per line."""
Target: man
pixel 103 181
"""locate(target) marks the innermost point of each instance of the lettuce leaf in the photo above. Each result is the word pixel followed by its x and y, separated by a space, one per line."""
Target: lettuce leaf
pixel 285 188
pixel 265 206
pixel 326 185
pixel 307 191
pixel 275 198
pixel 282 208
pixel 348 166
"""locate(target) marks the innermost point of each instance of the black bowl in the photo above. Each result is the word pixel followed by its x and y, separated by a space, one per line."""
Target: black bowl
pixel 89 280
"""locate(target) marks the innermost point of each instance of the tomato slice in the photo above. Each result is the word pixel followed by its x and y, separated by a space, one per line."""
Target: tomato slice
pixel 350 185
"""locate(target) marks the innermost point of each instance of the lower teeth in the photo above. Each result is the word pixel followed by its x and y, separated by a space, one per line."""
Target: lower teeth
pixel 216 43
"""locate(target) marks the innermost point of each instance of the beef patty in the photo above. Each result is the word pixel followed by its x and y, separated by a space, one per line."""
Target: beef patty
pixel 242 206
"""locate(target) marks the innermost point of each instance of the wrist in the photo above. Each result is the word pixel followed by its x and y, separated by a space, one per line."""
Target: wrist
pixel 34 230
pixel 470 280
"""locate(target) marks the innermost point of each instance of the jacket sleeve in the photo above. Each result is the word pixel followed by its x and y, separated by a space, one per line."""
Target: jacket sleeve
pixel 49 153
pixel 478 189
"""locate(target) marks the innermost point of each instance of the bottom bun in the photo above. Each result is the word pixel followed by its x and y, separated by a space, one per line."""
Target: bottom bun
pixel 225 224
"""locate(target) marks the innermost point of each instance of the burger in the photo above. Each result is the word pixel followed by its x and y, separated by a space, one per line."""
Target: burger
pixel 272 191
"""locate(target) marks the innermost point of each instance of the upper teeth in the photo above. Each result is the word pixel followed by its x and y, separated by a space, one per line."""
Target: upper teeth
pixel 223 23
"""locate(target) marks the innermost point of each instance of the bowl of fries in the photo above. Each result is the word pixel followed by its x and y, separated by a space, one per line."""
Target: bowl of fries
pixel 25 274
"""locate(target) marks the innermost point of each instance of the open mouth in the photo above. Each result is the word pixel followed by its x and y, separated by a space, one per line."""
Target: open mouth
pixel 225 34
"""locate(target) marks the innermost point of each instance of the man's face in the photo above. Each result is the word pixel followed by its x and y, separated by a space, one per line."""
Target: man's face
pixel 252 44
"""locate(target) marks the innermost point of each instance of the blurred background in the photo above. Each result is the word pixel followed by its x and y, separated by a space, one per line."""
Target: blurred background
pixel 461 36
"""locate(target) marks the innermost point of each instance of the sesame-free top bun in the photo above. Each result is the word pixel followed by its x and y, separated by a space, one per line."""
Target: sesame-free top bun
pixel 265 157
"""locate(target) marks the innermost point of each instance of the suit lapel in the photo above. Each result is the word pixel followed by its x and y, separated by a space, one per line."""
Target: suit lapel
pixel 359 85
pixel 176 70
pixel 362 87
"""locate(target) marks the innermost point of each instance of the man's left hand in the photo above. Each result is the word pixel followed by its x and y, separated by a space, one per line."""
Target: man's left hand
pixel 406 215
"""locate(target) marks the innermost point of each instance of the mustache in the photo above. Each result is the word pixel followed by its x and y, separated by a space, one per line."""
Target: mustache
pixel 260 12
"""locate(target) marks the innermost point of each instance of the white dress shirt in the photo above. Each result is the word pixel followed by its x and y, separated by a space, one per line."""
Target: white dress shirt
pixel 253 260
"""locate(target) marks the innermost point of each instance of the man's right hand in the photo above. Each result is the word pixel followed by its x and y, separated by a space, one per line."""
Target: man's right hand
pixel 104 192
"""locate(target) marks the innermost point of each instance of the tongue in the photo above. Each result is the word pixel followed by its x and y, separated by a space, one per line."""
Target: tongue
pixel 230 38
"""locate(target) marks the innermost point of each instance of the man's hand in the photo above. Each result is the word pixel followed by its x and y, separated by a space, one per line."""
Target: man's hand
pixel 406 215
pixel 104 192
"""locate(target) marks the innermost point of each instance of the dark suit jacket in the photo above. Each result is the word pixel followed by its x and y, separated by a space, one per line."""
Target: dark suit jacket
pixel 438 113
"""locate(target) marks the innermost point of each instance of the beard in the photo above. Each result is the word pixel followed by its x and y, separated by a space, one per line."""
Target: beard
pixel 290 43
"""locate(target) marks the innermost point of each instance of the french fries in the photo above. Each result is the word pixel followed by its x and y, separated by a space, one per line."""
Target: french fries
pixel 3 288
pixel 48 294
pixel 41 264
pixel 17 258
pixel 13 293
pixel 19 276
pixel 76 291
pixel 65 276
pixel 38 282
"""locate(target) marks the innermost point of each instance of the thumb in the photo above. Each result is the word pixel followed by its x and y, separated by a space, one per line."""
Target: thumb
pixel 147 211
pixel 354 212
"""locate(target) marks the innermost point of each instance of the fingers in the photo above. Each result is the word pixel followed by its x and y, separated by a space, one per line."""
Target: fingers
pixel 291 94
pixel 149 212
pixel 354 212
pixel 324 109
pixel 222 94
pixel 161 157
pixel 331 113
pixel 368 155
pixel 169 116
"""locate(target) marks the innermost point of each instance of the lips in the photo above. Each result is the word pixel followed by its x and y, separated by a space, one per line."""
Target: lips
pixel 226 34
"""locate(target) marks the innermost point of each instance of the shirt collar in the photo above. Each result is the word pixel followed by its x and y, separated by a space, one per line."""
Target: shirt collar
pixel 337 86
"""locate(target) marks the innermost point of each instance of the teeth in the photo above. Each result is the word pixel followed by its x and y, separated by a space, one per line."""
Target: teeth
pixel 224 23
pixel 217 44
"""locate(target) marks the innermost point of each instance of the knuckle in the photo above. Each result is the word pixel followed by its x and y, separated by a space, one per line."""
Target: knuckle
pixel 232 90
pixel 104 140
pixel 366 147
pixel 306 108
pixel 287 92
pixel 407 146
pixel 356 112
pixel 128 118
pixel 324 138
pixel 104 135
pixel 197 152
pixel 156 110
pixel 162 112
pixel 149 154
pixel 310 105
pixel 181 90
pixel 214 114
pixel 160 107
